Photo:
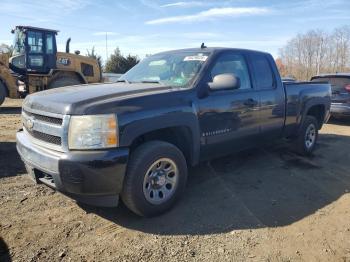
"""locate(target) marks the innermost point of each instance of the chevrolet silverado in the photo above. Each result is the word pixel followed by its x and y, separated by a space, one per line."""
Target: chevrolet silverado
pixel 136 138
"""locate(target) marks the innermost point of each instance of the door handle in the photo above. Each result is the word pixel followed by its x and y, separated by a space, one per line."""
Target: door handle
pixel 250 102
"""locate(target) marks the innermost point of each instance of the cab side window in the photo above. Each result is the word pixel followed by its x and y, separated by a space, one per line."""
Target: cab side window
pixel 263 72
pixel 232 64
pixel 49 44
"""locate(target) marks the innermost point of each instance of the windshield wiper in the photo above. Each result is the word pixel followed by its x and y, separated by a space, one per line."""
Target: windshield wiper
pixel 150 82
pixel 123 81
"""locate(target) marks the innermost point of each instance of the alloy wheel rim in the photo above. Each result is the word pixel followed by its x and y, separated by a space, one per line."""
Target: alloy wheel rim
pixel 310 136
pixel 160 181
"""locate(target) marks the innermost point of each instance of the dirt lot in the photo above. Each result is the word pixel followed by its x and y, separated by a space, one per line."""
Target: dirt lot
pixel 261 205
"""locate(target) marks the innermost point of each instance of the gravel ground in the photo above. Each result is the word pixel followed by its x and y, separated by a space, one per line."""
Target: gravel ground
pixel 261 205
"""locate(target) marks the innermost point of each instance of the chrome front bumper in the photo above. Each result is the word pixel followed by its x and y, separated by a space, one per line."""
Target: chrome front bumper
pixel 94 177
pixel 39 157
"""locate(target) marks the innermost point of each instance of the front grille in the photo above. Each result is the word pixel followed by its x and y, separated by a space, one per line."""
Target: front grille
pixel 47 119
pixel 48 130
pixel 56 140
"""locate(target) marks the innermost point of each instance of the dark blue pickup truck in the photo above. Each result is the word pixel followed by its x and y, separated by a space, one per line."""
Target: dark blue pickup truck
pixel 136 138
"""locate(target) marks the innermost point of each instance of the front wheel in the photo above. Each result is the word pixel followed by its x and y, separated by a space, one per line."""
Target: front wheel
pixel 308 134
pixel 156 178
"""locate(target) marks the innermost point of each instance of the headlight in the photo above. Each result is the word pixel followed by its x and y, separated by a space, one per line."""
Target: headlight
pixel 93 132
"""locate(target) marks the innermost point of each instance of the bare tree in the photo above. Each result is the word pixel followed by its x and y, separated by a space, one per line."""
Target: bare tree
pixel 315 52
pixel 92 53
pixel 341 37
pixel 4 48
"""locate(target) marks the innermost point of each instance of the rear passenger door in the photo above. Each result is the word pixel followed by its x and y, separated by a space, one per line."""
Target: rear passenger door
pixel 271 95
pixel 228 118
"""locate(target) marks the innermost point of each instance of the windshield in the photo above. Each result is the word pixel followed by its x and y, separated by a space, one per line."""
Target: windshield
pixel 173 69
pixel 18 45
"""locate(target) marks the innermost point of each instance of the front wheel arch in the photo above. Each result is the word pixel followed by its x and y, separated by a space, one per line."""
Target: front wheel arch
pixel 179 136
pixel 181 121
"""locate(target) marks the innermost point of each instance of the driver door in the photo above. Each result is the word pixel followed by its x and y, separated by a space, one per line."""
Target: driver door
pixel 229 118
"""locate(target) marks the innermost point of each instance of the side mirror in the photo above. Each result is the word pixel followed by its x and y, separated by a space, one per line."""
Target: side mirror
pixel 225 81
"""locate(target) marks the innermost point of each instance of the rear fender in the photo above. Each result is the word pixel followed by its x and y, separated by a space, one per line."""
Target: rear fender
pixel 307 105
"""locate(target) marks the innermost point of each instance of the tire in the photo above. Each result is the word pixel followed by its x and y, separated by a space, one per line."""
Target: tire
pixel 3 93
pixel 149 164
pixel 63 80
pixel 307 138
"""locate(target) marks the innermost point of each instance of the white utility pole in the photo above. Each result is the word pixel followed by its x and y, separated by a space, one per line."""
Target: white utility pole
pixel 106 48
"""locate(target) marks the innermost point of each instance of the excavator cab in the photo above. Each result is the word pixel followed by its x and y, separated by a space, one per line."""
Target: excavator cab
pixel 34 51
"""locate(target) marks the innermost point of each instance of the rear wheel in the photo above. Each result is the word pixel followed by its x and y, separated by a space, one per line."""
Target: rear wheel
pixel 156 178
pixel 64 80
pixel 306 141
pixel 3 93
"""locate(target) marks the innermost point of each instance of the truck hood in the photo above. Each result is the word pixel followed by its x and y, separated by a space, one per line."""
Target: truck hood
pixel 77 99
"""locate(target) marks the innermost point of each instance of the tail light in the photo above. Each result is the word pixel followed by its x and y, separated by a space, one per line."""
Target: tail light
pixel 347 88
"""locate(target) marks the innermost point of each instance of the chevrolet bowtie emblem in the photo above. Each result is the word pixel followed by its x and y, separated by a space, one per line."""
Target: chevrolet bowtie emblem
pixel 30 123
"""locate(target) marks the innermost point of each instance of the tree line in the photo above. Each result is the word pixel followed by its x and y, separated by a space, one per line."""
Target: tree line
pixel 315 52
pixel 116 63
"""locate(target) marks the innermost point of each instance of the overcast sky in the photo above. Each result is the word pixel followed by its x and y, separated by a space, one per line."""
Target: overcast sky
pixel 147 26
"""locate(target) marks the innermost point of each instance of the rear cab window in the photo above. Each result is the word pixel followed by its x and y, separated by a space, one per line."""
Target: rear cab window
pixel 264 76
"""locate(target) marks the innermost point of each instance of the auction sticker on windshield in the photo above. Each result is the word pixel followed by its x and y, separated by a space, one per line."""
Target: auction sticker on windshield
pixel 157 63
pixel 196 58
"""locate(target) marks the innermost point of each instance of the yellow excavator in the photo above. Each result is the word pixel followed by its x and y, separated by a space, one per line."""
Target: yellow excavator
pixel 35 64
